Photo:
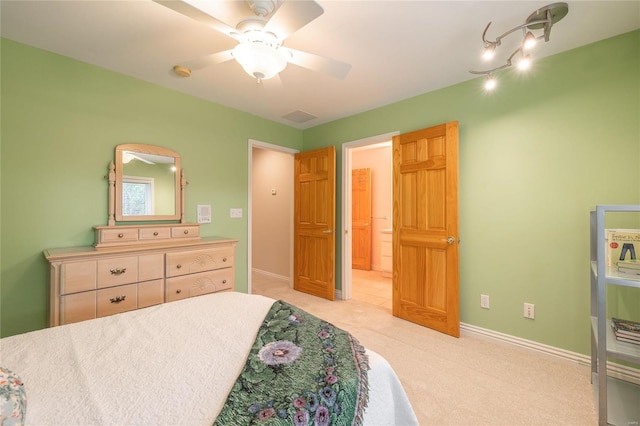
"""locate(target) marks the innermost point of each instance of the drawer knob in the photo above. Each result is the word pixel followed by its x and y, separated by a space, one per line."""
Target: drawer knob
pixel 120 235
pixel 178 266
pixel 186 231
pixel 155 234
pixel 224 259
pixel 118 271
pixel 178 291
pixel 117 299
pixel 224 281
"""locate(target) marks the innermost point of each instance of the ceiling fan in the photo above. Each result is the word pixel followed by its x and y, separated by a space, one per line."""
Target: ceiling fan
pixel 264 26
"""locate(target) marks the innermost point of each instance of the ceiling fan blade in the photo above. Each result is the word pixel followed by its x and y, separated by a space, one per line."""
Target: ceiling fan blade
pixel 128 156
pixel 291 16
pixel 205 61
pixel 321 64
pixel 192 12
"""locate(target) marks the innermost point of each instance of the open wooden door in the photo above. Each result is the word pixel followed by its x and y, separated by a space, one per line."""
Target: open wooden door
pixel 314 222
pixel 361 219
pixel 425 228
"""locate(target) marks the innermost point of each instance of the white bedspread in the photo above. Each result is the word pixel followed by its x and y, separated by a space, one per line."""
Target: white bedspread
pixel 168 364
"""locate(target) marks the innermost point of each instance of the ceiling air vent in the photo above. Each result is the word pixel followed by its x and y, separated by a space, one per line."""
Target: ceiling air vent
pixel 299 116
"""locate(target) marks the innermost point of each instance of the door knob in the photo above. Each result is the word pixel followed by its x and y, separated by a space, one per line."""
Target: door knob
pixel 450 240
pixel 327 231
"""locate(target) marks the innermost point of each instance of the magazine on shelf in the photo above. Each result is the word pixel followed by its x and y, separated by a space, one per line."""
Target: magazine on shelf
pixel 626 327
pixel 626 330
pixel 622 245
pixel 627 340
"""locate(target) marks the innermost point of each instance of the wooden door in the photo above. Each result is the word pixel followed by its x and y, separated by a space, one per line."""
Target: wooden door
pixel 314 222
pixel 425 228
pixel 361 219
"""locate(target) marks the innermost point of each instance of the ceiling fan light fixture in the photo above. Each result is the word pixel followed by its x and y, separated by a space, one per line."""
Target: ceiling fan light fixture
pixel 259 60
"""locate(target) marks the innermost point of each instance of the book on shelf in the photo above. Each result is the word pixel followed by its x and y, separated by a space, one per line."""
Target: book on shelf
pixel 627 340
pixel 625 326
pixel 630 267
pixel 622 245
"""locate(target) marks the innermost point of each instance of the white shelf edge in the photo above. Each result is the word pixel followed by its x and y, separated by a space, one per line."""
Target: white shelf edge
pixel 612 276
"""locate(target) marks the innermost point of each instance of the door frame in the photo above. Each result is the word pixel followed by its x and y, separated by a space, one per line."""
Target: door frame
pixel 252 143
pixel 347 152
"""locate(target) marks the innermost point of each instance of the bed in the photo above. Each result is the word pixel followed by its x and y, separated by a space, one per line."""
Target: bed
pixel 174 363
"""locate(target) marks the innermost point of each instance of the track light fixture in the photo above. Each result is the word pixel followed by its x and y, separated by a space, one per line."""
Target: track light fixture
pixel 542 19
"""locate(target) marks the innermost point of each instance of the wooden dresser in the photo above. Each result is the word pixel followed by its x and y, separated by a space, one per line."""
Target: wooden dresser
pixel 132 267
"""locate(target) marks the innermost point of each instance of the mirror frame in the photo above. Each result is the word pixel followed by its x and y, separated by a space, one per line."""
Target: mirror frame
pixel 115 185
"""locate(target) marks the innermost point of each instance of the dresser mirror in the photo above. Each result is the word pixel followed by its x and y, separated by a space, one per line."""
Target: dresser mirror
pixel 146 184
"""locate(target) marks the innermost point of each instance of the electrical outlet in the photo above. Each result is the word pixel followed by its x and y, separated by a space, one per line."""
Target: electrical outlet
pixel 235 213
pixel 484 301
pixel 529 310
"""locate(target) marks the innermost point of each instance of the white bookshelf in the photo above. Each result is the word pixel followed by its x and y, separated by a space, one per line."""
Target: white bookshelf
pixel 618 401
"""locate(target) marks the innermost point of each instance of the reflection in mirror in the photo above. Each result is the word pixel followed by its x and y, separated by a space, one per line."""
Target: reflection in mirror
pixel 147 183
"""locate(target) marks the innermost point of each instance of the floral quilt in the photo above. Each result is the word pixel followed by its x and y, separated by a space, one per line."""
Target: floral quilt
pixel 301 370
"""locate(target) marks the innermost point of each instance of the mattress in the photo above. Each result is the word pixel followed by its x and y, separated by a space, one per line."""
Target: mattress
pixel 173 363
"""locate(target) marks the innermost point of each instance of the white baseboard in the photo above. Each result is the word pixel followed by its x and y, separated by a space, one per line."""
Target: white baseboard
pixel 615 370
pixel 270 274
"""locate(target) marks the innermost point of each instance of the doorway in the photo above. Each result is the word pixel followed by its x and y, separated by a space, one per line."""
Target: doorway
pixel 374 285
pixel 270 214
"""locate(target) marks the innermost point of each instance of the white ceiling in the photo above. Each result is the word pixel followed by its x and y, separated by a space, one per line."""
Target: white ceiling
pixel 397 49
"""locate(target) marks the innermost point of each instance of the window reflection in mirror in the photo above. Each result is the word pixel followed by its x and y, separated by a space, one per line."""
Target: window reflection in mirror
pixel 147 183
pixel 137 196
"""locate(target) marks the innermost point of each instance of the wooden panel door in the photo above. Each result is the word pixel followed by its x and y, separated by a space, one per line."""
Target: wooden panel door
pixel 425 228
pixel 361 219
pixel 314 222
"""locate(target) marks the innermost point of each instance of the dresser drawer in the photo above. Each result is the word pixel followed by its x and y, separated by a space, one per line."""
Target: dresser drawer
pixel 77 307
pixel 185 231
pixel 159 233
pixel 197 284
pixel 117 270
pixel 150 293
pixel 189 262
pixel 78 276
pixel 118 235
pixel 114 300
pixel 150 266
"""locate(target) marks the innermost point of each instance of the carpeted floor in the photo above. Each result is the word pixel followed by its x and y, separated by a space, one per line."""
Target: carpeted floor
pixel 472 380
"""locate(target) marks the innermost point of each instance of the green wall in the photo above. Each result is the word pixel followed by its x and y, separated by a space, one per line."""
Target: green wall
pixel 61 121
pixel 535 157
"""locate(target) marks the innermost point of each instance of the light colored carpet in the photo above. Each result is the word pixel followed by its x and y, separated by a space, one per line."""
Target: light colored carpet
pixel 472 380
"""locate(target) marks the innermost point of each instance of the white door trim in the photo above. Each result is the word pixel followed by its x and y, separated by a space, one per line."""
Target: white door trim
pixel 252 143
pixel 347 149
